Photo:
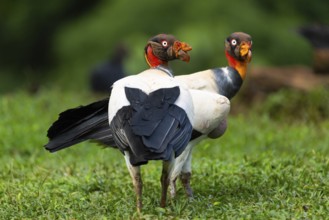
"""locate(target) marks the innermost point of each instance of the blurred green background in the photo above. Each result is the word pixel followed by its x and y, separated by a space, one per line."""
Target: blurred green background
pixel 57 43
pixel 272 163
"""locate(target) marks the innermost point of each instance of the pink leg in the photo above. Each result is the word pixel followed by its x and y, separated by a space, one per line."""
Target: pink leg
pixel 137 182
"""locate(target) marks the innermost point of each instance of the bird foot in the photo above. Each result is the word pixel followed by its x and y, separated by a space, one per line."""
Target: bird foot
pixel 185 178
pixel 173 188
pixel 139 206
pixel 162 204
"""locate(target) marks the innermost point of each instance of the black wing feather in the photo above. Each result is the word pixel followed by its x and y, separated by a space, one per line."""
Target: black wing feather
pixel 153 127
pixel 83 123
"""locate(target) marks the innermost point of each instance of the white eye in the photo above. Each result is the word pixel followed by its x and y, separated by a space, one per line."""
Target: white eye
pixel 164 43
pixel 233 42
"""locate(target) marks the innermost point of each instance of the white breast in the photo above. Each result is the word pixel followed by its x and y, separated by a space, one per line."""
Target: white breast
pixel 209 110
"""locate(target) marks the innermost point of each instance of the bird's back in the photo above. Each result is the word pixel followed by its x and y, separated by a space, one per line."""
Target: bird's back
pixel 225 81
pixel 151 116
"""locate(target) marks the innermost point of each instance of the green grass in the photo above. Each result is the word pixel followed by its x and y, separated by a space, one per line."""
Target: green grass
pixel 261 169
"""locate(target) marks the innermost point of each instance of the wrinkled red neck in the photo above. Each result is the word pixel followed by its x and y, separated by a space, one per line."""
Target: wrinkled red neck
pixel 152 60
pixel 231 61
pixel 239 66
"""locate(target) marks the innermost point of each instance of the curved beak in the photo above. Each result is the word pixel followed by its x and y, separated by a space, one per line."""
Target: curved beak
pixel 180 49
pixel 245 50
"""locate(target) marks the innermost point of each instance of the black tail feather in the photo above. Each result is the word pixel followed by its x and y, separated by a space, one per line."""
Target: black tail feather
pixel 83 123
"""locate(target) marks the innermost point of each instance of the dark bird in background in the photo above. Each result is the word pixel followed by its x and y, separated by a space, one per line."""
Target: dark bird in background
pixel 149 118
pixel 318 37
pixel 105 74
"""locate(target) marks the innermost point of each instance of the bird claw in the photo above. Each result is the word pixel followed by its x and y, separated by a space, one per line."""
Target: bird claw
pixel 185 178
pixel 139 206
pixel 173 189
pixel 189 192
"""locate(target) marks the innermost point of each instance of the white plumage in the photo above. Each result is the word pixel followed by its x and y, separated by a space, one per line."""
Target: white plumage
pixel 149 81
pixel 202 80
pixel 212 109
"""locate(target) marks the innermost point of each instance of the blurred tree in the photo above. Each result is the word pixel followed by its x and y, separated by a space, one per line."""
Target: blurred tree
pixel 314 11
pixel 27 30
pixel 34 36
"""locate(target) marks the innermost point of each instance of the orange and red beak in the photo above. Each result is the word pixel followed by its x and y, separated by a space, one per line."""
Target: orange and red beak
pixel 245 50
pixel 180 49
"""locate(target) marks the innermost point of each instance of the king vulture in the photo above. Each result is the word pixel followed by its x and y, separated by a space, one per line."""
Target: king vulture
pixel 225 81
pixel 150 115
pixel 212 109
